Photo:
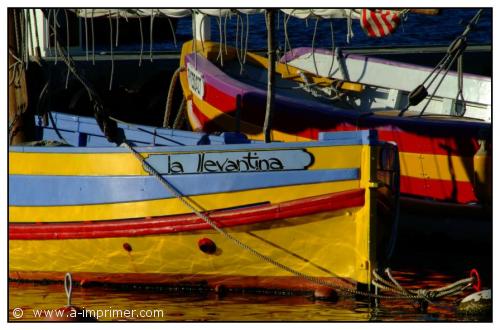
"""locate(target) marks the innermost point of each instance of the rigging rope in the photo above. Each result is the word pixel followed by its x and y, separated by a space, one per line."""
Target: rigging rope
pixel 93 41
pixel 173 31
pixel 37 38
pixel 460 87
pixel 86 35
pixel 54 31
pixel 117 27
pixel 455 50
pixel 142 41
pixel 220 55
pixel 111 51
pixel 67 46
pixel 312 46
pixel 151 36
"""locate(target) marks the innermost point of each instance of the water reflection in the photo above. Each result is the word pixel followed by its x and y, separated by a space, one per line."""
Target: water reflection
pixel 234 307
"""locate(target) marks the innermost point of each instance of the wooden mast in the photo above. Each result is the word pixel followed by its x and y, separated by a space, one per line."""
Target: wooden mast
pixel 20 127
pixel 271 56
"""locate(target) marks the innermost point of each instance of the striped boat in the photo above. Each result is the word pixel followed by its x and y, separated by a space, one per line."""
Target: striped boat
pixel 324 209
pixel 445 160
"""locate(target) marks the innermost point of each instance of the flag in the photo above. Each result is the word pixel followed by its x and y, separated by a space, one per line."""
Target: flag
pixel 379 22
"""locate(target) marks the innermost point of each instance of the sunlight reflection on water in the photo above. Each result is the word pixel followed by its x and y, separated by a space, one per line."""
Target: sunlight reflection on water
pixel 233 307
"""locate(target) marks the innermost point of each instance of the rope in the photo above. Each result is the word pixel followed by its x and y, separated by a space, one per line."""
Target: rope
pixel 30 32
pixel 49 13
pixel 151 36
pixel 142 41
pixel 219 54
pixel 111 51
pixel 455 50
pixel 286 45
pixel 108 127
pixel 419 295
pixel 170 96
pixel 93 41
pixel 225 32
pixel 181 115
pixel 117 27
pixel 68 288
pixel 53 122
pixel 24 49
pixel 86 35
pixel 173 31
pixel 401 294
pixel 37 39
pixel 333 49
pixel 312 46
pixel 350 34
pixel 54 31
pixel 67 46
pixel 460 82
pixel 233 239
pixel 246 40
pixel 439 84
pixel 238 56
pixel 16 31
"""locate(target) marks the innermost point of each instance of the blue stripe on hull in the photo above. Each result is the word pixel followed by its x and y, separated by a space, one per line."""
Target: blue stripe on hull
pixel 355 138
pixel 84 131
pixel 27 190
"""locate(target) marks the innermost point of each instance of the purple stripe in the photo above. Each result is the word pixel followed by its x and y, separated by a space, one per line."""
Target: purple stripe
pixel 217 78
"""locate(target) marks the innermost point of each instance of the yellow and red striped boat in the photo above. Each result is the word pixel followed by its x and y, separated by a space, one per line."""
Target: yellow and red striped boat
pixel 445 160
pixel 323 208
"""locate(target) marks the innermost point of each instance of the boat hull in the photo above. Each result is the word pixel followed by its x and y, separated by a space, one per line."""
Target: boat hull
pixel 442 158
pixel 99 214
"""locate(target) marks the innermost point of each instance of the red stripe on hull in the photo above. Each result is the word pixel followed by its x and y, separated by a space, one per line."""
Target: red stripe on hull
pixel 188 222
pixel 417 141
pixel 219 99
pixel 292 283
pixel 444 190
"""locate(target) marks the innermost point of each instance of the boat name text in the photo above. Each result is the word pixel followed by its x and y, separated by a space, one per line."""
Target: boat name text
pixel 214 162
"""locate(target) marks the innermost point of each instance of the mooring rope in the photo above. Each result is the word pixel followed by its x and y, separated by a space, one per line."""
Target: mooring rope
pixel 170 96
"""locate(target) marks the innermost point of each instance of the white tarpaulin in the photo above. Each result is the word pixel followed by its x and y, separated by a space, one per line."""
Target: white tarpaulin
pixel 177 13
pixel 174 13
pixel 323 13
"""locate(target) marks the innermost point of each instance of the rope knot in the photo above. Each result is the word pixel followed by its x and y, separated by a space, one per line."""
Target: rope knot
pixel 426 295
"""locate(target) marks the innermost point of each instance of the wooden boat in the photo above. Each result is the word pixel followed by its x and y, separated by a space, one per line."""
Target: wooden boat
pixel 80 131
pixel 390 90
pixel 323 208
pixel 445 160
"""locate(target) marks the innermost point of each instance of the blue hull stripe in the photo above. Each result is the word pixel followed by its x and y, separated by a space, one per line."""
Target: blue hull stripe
pixel 28 190
pixel 344 139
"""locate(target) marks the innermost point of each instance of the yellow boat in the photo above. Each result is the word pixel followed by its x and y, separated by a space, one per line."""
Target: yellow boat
pixel 244 215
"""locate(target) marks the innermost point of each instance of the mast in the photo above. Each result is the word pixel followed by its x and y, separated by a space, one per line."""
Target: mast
pixel 271 58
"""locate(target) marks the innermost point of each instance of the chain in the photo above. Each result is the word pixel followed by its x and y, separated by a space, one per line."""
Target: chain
pixel 419 295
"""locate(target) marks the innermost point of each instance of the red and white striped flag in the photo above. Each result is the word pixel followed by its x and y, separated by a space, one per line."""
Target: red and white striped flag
pixel 379 23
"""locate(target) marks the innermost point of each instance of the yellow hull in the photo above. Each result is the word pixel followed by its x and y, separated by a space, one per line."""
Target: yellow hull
pixel 317 246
